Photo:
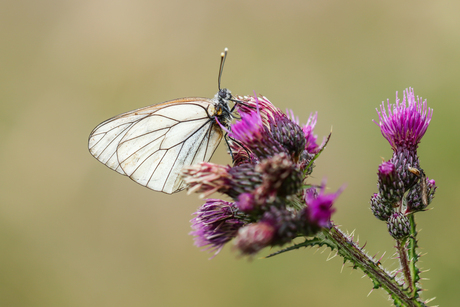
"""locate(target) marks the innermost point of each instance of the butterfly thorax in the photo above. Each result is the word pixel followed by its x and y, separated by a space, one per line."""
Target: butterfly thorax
pixel 221 108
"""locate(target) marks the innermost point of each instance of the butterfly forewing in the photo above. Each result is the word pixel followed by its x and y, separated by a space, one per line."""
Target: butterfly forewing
pixel 151 145
pixel 104 139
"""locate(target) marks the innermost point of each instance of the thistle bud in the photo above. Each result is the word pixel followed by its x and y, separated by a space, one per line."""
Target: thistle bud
pixel 243 179
pixel 254 237
pixel 284 221
pixel 421 195
pixel 289 134
pixel 391 188
pixel 398 226
pixel 381 209
pixel 281 177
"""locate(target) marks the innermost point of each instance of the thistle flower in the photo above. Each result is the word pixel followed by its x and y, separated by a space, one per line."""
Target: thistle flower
pixel 271 154
pixel 262 105
pixel 254 137
pixel 405 123
pixel 265 130
pixel 319 207
pixel 403 187
pixel 216 223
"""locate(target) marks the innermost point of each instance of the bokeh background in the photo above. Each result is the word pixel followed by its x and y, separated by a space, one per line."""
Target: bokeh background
pixel 74 233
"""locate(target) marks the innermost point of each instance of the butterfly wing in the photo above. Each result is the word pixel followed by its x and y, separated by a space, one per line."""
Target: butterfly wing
pixel 151 145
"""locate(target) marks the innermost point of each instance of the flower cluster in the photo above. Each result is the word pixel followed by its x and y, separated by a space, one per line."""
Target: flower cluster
pixel 403 187
pixel 272 204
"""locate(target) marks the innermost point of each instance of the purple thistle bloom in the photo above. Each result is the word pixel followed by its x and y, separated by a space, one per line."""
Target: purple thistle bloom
pixel 254 140
pixel 272 157
pixel 403 186
pixel 266 110
pixel 310 138
pixel 215 224
pixel 265 130
pixel 249 129
pixel 319 207
pixel 405 123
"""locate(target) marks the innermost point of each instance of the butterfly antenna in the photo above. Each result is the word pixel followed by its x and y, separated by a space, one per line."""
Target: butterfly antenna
pixel 223 56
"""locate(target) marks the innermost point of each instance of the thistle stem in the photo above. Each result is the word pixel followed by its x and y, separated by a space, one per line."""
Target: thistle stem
pixel 413 257
pixel 403 260
pixel 353 253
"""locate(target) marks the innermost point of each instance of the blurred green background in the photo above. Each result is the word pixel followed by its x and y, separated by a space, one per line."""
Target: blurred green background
pixel 74 233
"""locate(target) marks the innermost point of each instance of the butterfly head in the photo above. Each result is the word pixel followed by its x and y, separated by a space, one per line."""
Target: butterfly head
pixel 224 95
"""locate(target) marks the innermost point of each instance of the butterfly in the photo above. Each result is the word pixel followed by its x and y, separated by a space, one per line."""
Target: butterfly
pixel 151 145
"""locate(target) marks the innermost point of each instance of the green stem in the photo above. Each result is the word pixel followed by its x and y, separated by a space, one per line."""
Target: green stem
pixel 413 257
pixel 353 253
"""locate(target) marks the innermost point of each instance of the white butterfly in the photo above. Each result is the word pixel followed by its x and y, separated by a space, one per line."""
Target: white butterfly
pixel 151 145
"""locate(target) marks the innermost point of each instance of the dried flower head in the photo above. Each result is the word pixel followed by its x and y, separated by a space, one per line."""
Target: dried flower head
pixel 206 178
